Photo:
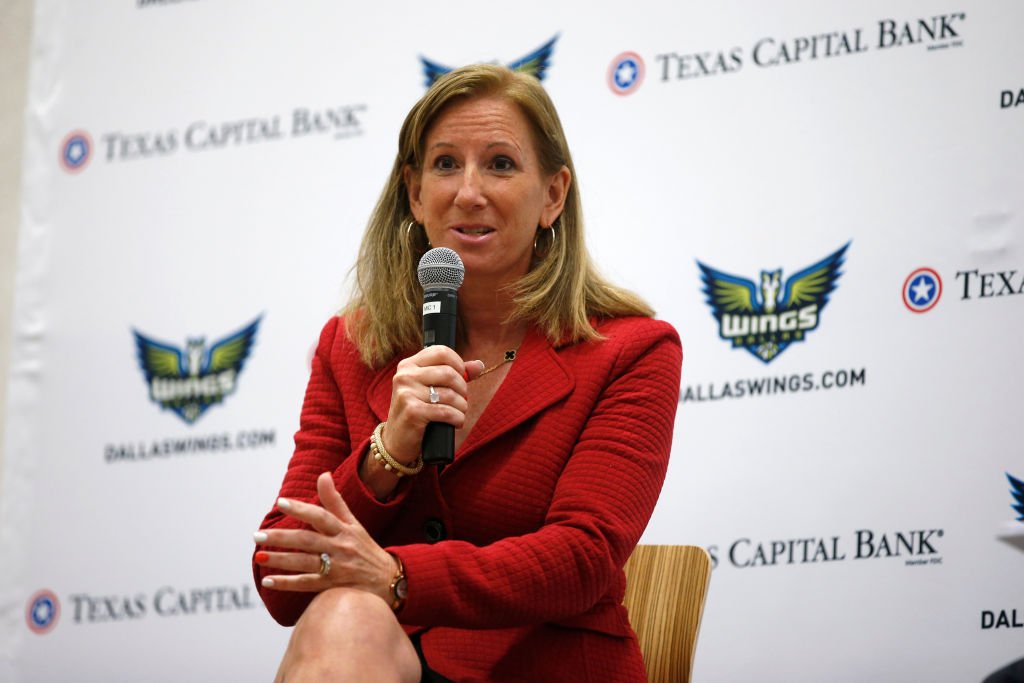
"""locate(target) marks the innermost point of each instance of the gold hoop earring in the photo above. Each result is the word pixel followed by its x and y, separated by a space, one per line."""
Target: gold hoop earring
pixel 554 240
pixel 408 228
pixel 410 238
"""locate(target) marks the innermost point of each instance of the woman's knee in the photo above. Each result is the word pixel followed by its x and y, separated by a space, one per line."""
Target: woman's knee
pixel 354 628
pixel 345 613
pixel 346 603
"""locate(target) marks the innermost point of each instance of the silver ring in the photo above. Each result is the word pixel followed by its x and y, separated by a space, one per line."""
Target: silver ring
pixel 434 396
pixel 325 564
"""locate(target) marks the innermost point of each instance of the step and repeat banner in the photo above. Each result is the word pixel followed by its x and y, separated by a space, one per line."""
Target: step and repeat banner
pixel 827 201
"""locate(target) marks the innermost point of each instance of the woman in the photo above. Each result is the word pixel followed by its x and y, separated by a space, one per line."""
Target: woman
pixel 507 564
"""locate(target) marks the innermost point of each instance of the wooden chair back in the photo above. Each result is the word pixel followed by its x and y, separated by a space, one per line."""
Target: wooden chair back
pixel 665 590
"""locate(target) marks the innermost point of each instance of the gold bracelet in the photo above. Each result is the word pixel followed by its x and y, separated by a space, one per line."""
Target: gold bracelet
pixel 380 454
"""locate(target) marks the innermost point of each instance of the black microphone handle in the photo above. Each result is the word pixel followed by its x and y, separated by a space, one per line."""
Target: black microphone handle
pixel 439 307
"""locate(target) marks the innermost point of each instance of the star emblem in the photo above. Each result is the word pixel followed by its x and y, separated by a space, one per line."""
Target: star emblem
pixel 922 290
pixel 42 611
pixel 626 73
pixel 75 151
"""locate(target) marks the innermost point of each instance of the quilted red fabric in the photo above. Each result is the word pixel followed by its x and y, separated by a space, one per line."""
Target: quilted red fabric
pixel 514 552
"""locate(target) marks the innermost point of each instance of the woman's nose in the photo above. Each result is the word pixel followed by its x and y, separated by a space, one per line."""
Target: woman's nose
pixel 471 191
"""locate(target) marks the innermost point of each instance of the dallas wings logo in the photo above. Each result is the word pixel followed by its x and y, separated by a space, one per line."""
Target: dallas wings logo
pixel 765 319
pixel 1017 491
pixel 536 64
pixel 188 381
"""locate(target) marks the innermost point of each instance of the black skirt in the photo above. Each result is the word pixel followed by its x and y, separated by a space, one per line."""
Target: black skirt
pixel 429 675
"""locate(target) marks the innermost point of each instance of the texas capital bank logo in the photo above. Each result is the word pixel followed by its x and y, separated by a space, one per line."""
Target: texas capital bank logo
pixel 626 73
pixel 922 290
pixel 535 64
pixel 75 151
pixel 767 315
pixel 42 612
pixel 189 381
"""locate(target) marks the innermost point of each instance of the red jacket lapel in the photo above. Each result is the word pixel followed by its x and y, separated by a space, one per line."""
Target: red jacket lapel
pixel 537 379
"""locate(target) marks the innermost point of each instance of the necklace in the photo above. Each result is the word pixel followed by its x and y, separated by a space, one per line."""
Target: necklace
pixel 510 356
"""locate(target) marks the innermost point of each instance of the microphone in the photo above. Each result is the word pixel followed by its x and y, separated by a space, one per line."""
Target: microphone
pixel 440 273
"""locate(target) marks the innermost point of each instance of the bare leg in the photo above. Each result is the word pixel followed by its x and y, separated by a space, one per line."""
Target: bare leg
pixel 348 635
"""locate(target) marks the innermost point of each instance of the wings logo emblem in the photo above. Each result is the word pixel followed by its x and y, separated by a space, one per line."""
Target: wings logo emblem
pixel 1017 491
pixel 188 381
pixel 536 64
pixel 767 316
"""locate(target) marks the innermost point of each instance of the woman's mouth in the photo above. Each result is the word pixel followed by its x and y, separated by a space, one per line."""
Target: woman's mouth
pixel 474 231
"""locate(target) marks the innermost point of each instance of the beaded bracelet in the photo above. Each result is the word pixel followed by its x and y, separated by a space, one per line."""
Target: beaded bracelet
pixel 380 454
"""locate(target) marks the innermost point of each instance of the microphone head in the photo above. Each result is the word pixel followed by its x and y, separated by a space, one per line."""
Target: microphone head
pixel 441 268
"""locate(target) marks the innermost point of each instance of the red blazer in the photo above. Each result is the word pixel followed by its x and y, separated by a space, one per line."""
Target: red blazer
pixel 514 552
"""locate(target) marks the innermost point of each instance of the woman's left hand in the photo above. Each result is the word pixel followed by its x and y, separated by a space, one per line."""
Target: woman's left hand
pixel 356 560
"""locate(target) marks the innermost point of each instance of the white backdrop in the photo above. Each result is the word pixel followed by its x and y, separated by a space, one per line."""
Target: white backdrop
pixel 194 166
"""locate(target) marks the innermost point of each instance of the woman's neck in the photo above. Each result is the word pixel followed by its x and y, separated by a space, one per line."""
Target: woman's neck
pixel 483 315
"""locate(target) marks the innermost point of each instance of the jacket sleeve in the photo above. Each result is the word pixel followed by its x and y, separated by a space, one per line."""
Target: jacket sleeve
pixel 323 444
pixel 602 503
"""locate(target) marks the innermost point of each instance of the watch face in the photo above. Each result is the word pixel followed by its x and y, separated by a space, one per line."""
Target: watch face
pixel 401 589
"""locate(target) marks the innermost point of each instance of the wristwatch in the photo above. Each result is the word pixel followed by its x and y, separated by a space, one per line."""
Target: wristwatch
pixel 399 586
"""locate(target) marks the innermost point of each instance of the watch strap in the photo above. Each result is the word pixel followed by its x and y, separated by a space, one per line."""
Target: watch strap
pixel 398 586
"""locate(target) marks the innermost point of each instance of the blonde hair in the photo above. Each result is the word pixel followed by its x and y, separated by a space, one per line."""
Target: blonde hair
pixel 561 292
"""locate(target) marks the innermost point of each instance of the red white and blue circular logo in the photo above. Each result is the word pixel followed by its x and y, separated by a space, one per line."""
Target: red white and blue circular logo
pixel 75 151
pixel 42 611
pixel 922 290
pixel 626 73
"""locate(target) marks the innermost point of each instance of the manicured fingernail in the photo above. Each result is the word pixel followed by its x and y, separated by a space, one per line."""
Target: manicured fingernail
pixel 465 374
pixel 259 537
pixel 267 583
pixel 262 557
pixel 284 503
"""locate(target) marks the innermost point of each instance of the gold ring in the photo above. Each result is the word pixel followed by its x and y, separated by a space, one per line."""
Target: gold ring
pixel 325 564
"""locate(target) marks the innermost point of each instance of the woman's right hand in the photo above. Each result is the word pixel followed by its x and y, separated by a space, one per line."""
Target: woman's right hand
pixel 411 411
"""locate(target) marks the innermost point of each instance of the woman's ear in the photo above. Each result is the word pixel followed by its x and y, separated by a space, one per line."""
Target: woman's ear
pixel 412 187
pixel 557 192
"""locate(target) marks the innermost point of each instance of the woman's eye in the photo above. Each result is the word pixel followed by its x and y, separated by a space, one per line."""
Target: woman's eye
pixel 503 164
pixel 444 163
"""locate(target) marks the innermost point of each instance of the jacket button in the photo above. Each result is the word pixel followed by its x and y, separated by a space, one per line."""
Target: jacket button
pixel 434 530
